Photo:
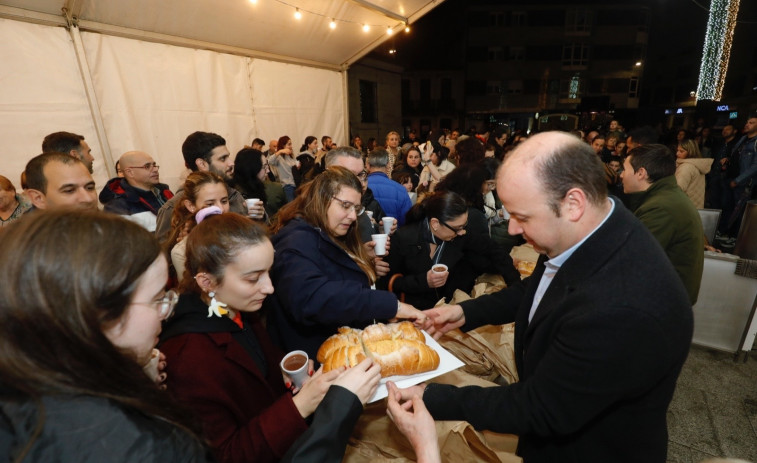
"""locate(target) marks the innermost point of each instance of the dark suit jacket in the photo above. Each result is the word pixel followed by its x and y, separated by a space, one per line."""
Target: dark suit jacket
pixel 599 361
pixel 247 415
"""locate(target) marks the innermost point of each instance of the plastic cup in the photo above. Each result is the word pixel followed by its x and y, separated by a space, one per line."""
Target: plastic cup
pixel 388 222
pixel 380 241
pixel 251 203
pixel 370 214
pixel 439 268
pixel 295 365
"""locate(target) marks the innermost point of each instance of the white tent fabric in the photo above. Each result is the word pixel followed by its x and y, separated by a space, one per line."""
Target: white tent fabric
pixel 151 96
pixel 41 91
pixel 144 74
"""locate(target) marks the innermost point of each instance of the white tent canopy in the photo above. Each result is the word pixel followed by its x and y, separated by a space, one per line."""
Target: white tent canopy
pixel 142 74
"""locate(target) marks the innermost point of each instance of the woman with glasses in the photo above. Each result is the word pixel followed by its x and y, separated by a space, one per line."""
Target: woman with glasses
pixel 222 363
pixel 430 237
pixel 79 319
pixel 482 254
pixel 250 174
pixel 322 272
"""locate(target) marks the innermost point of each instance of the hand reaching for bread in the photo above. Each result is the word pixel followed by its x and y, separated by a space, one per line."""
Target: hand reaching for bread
pixel 362 379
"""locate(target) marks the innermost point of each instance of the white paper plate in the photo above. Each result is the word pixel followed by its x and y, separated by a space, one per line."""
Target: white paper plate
pixel 447 363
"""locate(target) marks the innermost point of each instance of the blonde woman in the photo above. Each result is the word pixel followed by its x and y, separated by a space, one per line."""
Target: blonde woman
pixel 691 168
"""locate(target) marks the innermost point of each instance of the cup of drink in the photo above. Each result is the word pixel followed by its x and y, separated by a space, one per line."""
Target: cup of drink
pixel 439 268
pixel 295 365
pixel 388 222
pixel 370 214
pixel 380 241
pixel 252 203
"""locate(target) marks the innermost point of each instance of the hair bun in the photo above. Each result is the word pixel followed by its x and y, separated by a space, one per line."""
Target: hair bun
pixel 202 214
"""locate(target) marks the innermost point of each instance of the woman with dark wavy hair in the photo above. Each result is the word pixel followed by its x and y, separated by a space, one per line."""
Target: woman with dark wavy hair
pixel 322 272
pixel 79 318
pixel 250 171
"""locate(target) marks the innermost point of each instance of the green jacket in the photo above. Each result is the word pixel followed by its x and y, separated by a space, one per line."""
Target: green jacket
pixel 674 221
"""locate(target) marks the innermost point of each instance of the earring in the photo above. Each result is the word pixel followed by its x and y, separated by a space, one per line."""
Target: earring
pixel 216 308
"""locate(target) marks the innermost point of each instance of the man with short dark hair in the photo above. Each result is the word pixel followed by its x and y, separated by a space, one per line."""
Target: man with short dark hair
pixel 657 201
pixel 257 144
pixel 56 180
pixel 202 151
pixel 602 327
pixel 641 136
pixel 71 144
pixel 138 194
pixel 392 196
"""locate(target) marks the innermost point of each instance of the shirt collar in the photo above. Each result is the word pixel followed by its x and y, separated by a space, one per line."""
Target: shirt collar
pixel 556 262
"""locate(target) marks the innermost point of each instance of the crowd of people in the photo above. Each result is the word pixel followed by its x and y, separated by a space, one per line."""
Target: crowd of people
pixel 270 251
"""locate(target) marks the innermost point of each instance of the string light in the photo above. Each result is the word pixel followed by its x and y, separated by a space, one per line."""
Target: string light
pixel 333 21
pixel 254 2
pixel 717 49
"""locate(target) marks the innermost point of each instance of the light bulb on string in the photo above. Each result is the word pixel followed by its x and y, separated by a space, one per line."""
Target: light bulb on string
pixel 389 31
pixel 366 28
pixel 297 14
pixel 332 24
pixel 407 28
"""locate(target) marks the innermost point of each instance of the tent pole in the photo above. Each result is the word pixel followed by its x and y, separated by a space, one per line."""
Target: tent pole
pixel 346 104
pixel 94 107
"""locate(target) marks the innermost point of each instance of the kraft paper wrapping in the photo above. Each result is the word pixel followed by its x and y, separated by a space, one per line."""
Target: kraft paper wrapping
pixel 377 439
pixel 489 356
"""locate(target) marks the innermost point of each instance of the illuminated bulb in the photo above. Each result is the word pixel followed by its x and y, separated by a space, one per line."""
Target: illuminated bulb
pixel 297 14
pixel 638 63
pixel 366 28
pixel 332 24
pixel 392 51
pixel 254 2
pixel 407 28
pixel 389 31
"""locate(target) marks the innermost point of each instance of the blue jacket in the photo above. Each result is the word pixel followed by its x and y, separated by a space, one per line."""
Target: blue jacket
pixel 392 196
pixel 746 149
pixel 318 288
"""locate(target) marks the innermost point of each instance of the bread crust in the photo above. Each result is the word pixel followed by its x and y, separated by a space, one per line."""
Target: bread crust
pixel 399 348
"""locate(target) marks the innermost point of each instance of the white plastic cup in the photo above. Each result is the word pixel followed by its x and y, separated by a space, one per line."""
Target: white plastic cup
pixel 439 268
pixel 295 365
pixel 380 241
pixel 251 203
pixel 388 222
pixel 370 214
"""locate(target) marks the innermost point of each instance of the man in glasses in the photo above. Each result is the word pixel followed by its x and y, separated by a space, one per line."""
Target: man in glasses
pixel 139 194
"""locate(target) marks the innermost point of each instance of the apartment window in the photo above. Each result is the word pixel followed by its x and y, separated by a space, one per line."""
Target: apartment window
pixel 495 54
pixel 497 19
pixel 425 90
pixel 578 22
pixel 575 54
pixel 493 87
pixel 515 87
pixel 633 87
pixel 368 102
pixel 446 88
pixel 571 88
pixel 516 53
pixel 518 18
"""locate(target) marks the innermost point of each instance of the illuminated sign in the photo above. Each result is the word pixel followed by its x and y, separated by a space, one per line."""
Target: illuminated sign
pixel 733 115
pixel 723 107
pixel 679 111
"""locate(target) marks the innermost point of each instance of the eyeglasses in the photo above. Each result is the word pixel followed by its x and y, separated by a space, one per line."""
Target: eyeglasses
pixel 346 205
pixel 164 306
pixel 457 230
pixel 363 175
pixel 491 184
pixel 148 166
